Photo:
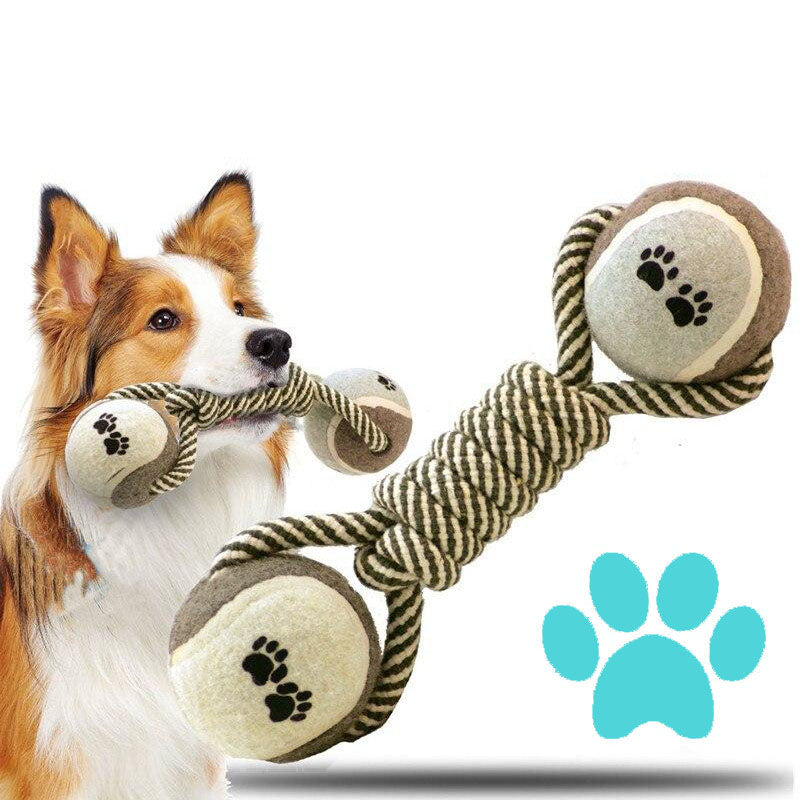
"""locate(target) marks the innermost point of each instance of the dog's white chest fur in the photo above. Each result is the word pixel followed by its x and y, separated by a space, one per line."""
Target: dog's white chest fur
pixel 107 700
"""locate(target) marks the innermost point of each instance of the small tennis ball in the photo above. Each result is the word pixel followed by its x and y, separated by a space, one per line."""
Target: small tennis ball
pixel 274 658
pixel 117 448
pixel 688 284
pixel 335 443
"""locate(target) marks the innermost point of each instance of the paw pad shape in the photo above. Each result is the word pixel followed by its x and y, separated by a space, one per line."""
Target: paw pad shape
pixel 115 443
pixel 266 665
pixel 105 423
pixel 653 678
pixel 653 266
pixel 685 310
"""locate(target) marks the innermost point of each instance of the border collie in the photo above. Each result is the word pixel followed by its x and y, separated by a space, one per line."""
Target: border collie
pixel 88 591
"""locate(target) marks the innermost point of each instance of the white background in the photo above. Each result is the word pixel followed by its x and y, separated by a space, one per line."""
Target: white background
pixel 415 166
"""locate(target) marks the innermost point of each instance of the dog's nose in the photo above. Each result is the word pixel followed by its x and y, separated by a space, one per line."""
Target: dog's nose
pixel 270 346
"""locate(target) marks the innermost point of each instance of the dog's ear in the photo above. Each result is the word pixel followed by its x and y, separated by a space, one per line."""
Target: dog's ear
pixel 221 228
pixel 73 253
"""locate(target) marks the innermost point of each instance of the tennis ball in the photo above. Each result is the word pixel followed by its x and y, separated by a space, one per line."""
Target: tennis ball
pixel 117 448
pixel 335 443
pixel 688 284
pixel 274 658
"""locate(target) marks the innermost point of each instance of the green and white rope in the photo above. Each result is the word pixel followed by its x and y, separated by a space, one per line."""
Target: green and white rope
pixel 439 514
pixel 196 410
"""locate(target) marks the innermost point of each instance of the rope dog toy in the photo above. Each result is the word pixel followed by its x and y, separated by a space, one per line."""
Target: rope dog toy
pixel 356 421
pixel 684 289
pixel 274 656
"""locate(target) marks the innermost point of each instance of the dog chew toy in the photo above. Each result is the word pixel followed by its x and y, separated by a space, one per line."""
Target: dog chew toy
pixel 274 657
pixel 124 451
pixel 684 289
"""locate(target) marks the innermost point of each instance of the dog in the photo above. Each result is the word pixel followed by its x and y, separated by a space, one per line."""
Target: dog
pixel 88 592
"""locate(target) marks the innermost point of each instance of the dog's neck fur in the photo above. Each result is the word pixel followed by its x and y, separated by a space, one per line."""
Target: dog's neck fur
pixel 103 660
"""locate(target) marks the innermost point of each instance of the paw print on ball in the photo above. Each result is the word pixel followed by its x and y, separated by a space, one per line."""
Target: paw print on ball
pixel 653 271
pixel 387 382
pixel 653 678
pixel 685 310
pixel 653 266
pixel 106 422
pixel 115 443
pixel 266 664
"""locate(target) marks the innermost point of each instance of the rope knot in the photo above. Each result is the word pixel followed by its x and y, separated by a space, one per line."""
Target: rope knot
pixel 203 406
pixel 491 468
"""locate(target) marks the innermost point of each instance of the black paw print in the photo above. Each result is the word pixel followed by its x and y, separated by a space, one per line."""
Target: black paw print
pixel 266 663
pixel 107 422
pixel 115 442
pixel 283 704
pixel 684 310
pixel 653 266
pixel 387 383
pixel 653 272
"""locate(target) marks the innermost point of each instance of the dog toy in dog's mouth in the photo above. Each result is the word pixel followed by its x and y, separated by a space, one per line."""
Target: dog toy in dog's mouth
pixel 274 656
pixel 123 450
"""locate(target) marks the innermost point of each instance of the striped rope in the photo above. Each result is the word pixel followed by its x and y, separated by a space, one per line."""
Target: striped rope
pixel 429 521
pixel 196 410
pixel 572 326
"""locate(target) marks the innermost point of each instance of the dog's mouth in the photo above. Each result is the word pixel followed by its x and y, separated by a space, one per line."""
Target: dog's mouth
pixel 256 421
pixel 276 378
pixel 259 425
pixel 249 421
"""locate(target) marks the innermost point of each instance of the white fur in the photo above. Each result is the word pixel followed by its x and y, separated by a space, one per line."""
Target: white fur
pixel 218 360
pixel 108 704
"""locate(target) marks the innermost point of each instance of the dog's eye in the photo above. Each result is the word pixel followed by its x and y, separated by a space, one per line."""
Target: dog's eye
pixel 239 308
pixel 163 320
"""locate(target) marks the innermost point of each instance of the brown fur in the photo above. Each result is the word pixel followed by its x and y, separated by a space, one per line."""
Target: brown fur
pixel 277 450
pixel 221 228
pixel 92 308
pixel 40 551
pixel 23 775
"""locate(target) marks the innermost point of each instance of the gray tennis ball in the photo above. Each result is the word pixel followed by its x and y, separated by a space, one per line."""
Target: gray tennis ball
pixel 117 448
pixel 335 443
pixel 688 284
pixel 274 659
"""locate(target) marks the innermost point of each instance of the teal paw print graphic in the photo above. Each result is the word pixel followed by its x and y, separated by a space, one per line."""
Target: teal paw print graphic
pixel 653 678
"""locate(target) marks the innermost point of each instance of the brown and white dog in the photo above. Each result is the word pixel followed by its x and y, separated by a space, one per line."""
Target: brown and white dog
pixel 88 593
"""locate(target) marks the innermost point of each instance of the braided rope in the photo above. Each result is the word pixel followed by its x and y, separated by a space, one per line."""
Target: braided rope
pixel 196 410
pixel 438 515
